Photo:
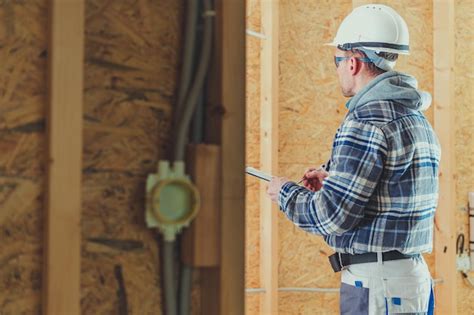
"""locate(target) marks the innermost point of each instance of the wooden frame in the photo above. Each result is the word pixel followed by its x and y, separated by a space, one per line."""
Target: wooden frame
pixel 269 80
pixel 61 278
pixel 232 37
pixel 445 244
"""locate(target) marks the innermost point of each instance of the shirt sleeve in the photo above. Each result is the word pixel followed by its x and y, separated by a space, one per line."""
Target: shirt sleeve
pixel 357 160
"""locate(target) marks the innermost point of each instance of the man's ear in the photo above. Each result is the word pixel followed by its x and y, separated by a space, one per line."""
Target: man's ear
pixel 356 66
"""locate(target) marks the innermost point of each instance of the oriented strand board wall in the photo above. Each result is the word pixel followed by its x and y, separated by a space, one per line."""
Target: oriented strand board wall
pixel 252 199
pixel 311 109
pixel 23 68
pixel 132 58
pixel 464 117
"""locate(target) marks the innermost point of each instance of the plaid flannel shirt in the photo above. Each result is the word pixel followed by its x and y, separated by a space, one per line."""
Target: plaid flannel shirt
pixel 382 188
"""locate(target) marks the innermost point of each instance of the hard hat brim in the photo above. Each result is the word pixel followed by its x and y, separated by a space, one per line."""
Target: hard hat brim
pixel 374 48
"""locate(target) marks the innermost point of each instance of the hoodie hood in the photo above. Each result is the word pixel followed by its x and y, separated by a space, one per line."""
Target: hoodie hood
pixel 392 86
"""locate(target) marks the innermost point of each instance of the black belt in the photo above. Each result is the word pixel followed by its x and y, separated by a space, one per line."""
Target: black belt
pixel 340 261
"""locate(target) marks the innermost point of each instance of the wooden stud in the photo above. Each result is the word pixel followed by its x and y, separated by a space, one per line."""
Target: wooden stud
pixel 445 247
pixel 269 155
pixel 233 158
pixel 200 242
pixel 62 267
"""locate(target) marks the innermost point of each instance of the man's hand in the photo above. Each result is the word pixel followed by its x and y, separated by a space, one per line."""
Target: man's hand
pixel 313 178
pixel 274 187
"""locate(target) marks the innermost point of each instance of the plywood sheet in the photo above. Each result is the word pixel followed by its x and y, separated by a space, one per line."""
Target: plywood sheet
pixel 23 37
pixel 309 303
pixel 252 303
pixel 132 58
pixel 311 109
pixel 464 132
pixel 114 237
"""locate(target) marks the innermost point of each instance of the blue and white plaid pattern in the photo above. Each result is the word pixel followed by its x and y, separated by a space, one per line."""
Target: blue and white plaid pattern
pixel 382 190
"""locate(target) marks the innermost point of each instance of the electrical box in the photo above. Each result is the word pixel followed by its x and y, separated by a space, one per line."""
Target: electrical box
pixel 172 199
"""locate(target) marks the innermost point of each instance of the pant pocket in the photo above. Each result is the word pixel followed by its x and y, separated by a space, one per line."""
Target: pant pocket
pixel 354 296
pixel 407 295
pixel 354 300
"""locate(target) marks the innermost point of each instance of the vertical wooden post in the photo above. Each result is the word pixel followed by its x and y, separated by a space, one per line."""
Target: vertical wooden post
pixel 232 280
pixel 445 247
pixel 61 278
pixel 269 155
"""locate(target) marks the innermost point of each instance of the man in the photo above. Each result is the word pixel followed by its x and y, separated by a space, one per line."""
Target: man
pixel 375 199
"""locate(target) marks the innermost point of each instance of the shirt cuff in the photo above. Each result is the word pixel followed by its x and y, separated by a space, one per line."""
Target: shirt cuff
pixel 285 193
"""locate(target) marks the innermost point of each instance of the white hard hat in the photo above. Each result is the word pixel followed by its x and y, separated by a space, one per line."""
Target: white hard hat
pixel 374 27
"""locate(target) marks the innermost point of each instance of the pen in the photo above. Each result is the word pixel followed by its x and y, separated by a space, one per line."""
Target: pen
pixel 323 167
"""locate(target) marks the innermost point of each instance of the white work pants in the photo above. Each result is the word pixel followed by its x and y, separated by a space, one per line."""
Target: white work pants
pixel 400 286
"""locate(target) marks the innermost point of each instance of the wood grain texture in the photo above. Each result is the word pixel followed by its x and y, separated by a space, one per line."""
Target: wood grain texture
pixel 23 143
pixel 132 54
pixel 311 109
pixel 464 133
pixel 269 106
pixel 233 158
pixel 444 119
pixel 61 277
pixel 200 241
pixel 252 149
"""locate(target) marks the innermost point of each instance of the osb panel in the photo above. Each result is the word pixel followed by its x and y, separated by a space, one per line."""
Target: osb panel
pixel 23 69
pixel 132 57
pixel 252 199
pixel 252 303
pixel 20 251
pixel 114 237
pixel 311 109
pixel 309 303
pixel 464 139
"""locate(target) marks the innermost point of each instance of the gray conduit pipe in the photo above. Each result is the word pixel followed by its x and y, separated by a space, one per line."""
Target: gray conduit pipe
pixel 191 99
pixel 186 287
pixel 186 276
pixel 168 278
pixel 182 132
pixel 188 111
pixel 188 56
pixel 169 284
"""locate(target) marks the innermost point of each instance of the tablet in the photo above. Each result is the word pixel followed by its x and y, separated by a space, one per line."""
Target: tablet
pixel 257 173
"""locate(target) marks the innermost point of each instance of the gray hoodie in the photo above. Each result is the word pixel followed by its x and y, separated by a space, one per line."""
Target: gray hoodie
pixel 392 86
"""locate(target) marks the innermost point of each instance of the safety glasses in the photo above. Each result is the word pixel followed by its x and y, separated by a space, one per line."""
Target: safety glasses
pixel 337 59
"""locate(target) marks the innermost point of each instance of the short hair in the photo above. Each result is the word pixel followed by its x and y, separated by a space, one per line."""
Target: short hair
pixel 372 68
